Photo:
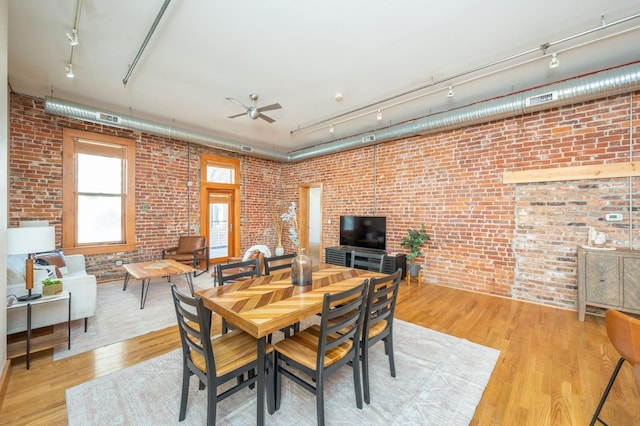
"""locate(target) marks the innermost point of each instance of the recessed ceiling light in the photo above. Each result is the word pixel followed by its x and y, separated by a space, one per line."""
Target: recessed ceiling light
pixel 338 97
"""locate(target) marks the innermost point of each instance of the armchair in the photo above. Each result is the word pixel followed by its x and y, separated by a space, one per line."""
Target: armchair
pixel 191 250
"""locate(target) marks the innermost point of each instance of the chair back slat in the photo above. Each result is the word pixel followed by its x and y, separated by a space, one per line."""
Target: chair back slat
pixel 229 272
pixel 278 262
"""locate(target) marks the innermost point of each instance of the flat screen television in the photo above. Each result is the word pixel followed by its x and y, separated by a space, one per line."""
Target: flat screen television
pixel 363 231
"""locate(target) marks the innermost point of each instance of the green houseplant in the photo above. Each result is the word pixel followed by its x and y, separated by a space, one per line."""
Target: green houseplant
pixel 51 287
pixel 414 240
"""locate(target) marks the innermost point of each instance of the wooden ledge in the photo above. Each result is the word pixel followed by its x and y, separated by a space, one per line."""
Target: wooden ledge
pixel 596 171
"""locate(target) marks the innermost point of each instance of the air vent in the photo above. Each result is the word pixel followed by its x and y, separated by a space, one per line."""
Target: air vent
pixel 245 148
pixel 541 99
pixel 368 138
pixel 108 118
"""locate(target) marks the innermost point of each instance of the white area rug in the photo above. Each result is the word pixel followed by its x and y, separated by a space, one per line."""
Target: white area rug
pixel 440 380
pixel 119 317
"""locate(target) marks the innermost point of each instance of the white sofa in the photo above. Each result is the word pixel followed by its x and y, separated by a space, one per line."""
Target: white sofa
pixel 83 289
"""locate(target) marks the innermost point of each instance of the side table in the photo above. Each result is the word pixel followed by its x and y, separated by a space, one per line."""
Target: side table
pixel 40 343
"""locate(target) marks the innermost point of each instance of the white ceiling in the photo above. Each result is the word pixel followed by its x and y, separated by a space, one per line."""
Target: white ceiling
pixel 301 53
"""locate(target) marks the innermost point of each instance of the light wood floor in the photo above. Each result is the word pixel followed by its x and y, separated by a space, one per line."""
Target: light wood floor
pixel 551 371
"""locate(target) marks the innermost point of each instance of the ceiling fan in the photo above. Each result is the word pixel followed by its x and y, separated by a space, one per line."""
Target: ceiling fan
pixel 254 112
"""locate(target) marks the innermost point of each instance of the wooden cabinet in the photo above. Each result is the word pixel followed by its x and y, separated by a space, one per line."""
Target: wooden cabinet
pixel 608 279
pixel 342 256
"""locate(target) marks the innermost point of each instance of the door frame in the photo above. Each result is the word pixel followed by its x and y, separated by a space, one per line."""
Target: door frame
pixel 227 188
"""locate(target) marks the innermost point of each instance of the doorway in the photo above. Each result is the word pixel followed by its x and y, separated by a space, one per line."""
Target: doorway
pixel 310 203
pixel 220 224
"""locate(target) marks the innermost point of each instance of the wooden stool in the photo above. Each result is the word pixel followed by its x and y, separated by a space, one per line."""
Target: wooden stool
pixel 419 277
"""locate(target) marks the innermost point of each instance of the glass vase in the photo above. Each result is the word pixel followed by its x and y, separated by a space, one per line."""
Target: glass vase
pixel 301 269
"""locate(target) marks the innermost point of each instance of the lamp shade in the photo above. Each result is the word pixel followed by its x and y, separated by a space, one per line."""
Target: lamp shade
pixel 32 239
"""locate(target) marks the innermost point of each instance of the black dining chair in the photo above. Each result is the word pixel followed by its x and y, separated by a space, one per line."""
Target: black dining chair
pixel 229 357
pixel 378 322
pixel 310 356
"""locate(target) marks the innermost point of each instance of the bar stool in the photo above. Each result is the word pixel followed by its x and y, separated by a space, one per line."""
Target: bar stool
pixel 418 277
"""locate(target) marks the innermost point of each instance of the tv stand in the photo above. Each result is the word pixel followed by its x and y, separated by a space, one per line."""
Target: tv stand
pixel 341 256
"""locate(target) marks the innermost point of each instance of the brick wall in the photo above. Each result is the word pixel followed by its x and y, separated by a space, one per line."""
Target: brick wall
pixel 511 240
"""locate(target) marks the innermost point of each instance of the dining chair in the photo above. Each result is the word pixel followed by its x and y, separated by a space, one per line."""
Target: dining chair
pixel 231 272
pixel 368 261
pixel 276 263
pixel 310 356
pixel 216 361
pixel 624 334
pixel 377 324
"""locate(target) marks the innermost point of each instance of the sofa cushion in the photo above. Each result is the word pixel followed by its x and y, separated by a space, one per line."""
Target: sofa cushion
pixel 56 259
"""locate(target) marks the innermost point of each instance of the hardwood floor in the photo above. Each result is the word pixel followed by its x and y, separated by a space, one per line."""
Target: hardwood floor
pixel 551 371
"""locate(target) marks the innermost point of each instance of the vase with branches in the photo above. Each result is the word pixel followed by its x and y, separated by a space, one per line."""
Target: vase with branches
pixel 278 225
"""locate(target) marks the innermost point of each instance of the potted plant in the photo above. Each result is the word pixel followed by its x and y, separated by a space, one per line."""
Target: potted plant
pixel 413 241
pixel 51 287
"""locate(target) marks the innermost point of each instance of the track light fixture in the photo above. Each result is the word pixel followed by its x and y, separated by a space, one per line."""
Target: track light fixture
pixel 450 93
pixel 379 115
pixel 331 129
pixel 73 37
pixel 555 63
pixel 70 73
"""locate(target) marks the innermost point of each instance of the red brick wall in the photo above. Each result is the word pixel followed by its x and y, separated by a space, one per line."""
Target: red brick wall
pixel 511 240
pixel 166 207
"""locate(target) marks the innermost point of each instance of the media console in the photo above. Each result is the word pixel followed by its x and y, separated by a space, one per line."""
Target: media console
pixel 341 256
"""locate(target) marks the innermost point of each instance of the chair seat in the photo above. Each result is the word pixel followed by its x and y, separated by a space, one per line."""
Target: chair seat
pixel 231 351
pixel 377 328
pixel 303 348
pixel 180 257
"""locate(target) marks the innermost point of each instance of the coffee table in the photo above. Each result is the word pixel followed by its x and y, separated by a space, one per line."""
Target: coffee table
pixel 155 269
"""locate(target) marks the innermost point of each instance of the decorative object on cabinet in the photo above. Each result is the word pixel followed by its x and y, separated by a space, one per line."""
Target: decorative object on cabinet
pixel 608 279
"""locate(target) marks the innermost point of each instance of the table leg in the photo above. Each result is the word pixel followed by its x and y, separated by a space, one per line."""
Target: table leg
pixel 261 381
pixel 69 324
pixel 29 334
pixel 126 281
pixel 190 282
pixel 143 296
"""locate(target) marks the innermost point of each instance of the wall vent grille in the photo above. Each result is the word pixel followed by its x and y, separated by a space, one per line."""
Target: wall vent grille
pixel 541 99
pixel 108 118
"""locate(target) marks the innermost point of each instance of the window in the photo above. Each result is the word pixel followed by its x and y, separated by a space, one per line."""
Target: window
pixel 98 193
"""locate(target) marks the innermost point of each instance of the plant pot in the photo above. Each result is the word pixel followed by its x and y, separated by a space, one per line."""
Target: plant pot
pixel 413 269
pixel 52 289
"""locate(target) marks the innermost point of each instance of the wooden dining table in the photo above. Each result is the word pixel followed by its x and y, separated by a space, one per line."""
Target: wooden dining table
pixel 266 304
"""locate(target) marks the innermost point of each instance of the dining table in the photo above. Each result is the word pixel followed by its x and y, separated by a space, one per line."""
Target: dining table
pixel 263 305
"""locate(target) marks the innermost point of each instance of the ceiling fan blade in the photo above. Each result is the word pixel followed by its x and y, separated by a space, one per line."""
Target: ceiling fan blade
pixel 237 102
pixel 267 119
pixel 237 115
pixel 269 107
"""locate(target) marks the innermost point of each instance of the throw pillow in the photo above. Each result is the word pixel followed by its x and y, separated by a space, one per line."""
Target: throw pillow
pixel 55 258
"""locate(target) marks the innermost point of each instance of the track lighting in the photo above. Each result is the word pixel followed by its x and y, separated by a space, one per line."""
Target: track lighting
pixel 331 129
pixel 73 37
pixel 450 93
pixel 70 73
pixel 555 63
pixel 379 115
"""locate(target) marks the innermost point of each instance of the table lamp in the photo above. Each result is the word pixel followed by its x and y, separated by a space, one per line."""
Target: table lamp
pixel 30 240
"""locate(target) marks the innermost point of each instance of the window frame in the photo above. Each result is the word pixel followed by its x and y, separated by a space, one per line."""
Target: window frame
pixel 70 195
